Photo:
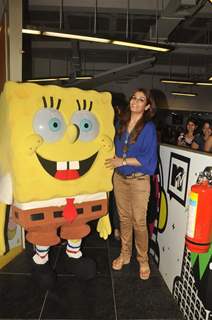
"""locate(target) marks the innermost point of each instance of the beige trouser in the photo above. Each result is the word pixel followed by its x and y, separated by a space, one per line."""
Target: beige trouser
pixel 132 196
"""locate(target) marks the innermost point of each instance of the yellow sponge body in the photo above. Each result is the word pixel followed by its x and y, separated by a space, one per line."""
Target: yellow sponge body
pixel 85 118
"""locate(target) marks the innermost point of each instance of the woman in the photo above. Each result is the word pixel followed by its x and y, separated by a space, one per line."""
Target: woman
pixel 134 162
pixel 186 139
pixel 201 138
pixel 208 144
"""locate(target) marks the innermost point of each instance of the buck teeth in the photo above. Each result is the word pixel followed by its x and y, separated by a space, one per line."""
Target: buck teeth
pixel 64 165
pixel 74 165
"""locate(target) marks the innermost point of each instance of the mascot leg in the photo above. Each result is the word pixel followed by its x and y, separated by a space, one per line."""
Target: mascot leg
pixel 79 265
pixel 73 249
pixel 42 272
pixel 41 254
pixel 82 267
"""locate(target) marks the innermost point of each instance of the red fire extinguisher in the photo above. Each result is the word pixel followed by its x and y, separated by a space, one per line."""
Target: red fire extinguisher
pixel 199 224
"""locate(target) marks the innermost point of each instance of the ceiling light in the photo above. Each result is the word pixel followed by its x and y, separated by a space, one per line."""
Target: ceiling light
pixel 177 81
pixel 74 36
pixel 83 77
pixel 146 46
pixel 31 31
pixel 141 46
pixel 204 83
pixel 187 94
pixel 47 79
pixel 187 82
pixel 63 78
pixel 210 78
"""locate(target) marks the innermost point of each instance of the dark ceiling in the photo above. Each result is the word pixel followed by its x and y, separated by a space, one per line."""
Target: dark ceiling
pixel 185 24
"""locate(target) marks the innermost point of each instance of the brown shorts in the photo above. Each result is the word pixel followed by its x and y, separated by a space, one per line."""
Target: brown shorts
pixel 41 224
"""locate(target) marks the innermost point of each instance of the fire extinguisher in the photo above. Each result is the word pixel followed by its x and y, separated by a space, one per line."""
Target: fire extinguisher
pixel 199 224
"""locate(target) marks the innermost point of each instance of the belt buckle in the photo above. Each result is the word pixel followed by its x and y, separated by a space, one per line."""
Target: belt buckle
pixel 133 175
pixel 136 175
pixel 130 176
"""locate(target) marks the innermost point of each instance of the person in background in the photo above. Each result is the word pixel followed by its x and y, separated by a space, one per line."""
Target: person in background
pixel 135 161
pixel 208 144
pixel 186 138
pixel 169 135
pixel 201 138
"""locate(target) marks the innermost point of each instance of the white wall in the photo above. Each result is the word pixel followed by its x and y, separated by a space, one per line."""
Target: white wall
pixel 15 40
pixel 175 260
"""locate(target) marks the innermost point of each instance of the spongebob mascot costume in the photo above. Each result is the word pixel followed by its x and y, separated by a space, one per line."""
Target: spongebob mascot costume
pixel 53 145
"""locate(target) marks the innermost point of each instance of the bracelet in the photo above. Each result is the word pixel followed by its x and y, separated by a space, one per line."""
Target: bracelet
pixel 124 161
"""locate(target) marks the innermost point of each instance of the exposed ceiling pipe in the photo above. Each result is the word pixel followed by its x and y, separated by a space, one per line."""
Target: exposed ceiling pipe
pixel 127 20
pixel 117 73
pixel 156 20
pixel 172 15
pixel 95 18
pixel 163 18
pixel 194 9
pixel 190 45
pixel 61 26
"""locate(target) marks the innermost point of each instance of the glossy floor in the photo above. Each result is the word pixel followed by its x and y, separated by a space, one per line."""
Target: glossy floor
pixel 110 295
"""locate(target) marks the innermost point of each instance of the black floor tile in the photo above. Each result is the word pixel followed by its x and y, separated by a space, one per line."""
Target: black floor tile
pixel 137 299
pixel 122 297
pixel 99 255
pixel 19 297
pixel 77 299
pixel 93 239
pixel 23 262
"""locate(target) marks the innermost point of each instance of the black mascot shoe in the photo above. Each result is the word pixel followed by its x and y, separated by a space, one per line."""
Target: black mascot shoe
pixel 43 275
pixel 83 268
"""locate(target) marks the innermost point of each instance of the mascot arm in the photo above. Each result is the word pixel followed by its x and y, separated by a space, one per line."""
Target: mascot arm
pixel 104 227
pixel 2 224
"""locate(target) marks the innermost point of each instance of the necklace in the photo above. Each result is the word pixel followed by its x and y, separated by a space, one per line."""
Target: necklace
pixel 126 145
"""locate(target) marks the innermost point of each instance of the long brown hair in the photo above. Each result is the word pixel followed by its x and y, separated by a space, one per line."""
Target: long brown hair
pixel 147 116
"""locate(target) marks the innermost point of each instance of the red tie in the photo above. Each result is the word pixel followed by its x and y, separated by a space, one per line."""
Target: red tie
pixel 69 211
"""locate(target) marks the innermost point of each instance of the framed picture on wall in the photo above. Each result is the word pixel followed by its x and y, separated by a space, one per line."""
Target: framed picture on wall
pixel 178 177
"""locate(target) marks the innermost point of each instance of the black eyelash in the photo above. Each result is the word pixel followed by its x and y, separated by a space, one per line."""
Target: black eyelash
pixel 91 104
pixel 51 102
pixel 58 104
pixel 45 105
pixel 84 105
pixel 44 102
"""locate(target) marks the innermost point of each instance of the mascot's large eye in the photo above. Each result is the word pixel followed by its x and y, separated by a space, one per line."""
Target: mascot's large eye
pixel 49 124
pixel 87 124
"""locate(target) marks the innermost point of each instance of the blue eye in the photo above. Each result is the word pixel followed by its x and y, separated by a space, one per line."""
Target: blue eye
pixel 54 124
pixel 49 124
pixel 87 124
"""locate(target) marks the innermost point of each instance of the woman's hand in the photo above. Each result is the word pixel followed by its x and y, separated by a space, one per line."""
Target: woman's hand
pixel 114 162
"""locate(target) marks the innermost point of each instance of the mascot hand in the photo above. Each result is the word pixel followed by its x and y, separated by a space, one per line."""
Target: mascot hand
pixel 2 222
pixel 104 227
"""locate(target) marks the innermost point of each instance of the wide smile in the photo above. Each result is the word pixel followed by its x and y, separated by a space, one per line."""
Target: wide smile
pixel 67 170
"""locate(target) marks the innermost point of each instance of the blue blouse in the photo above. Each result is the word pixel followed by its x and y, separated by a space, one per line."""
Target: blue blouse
pixel 144 150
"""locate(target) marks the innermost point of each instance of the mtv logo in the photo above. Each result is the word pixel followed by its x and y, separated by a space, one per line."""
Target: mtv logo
pixel 178 177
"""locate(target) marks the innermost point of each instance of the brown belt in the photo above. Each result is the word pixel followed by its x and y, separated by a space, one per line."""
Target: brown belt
pixel 134 175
